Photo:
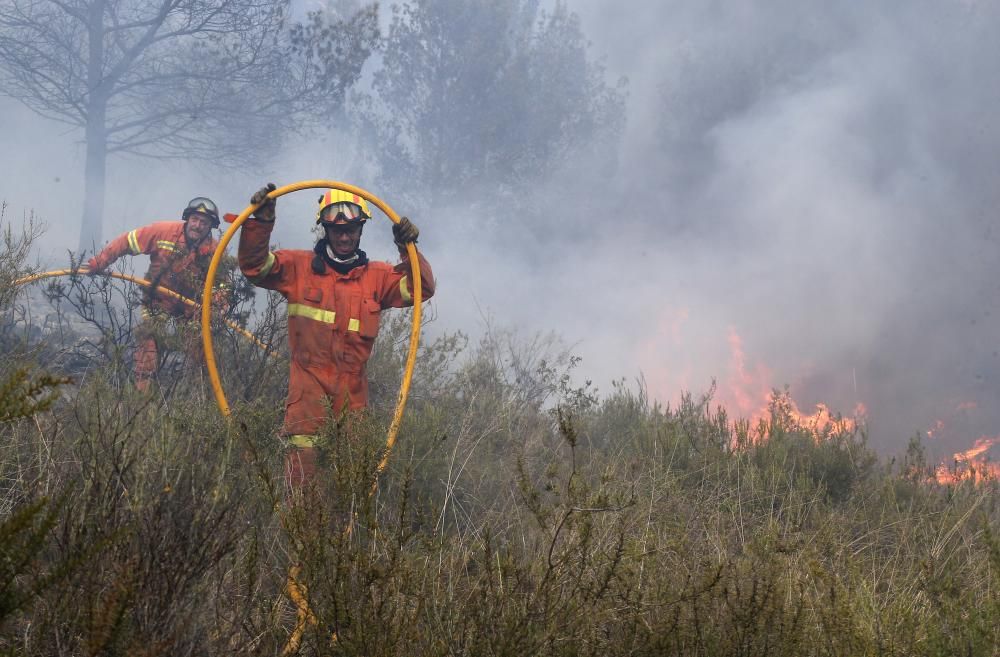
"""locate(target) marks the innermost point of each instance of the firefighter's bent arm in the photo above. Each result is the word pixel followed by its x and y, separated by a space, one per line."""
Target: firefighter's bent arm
pixel 262 267
pixel 397 290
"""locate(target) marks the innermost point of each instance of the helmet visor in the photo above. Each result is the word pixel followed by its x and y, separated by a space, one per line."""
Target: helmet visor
pixel 342 213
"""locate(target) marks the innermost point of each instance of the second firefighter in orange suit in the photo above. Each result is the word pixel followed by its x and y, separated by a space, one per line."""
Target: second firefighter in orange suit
pixel 335 297
pixel 179 254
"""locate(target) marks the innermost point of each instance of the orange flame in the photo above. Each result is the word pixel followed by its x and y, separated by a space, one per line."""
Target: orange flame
pixel 824 422
pixel 748 394
pixel 751 395
pixel 967 466
pixel 745 388
pixel 982 445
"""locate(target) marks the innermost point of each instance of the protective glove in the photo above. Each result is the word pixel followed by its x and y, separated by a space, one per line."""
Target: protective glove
pixel 404 232
pixel 93 268
pixel 266 211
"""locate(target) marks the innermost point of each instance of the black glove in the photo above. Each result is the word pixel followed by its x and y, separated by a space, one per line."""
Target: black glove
pixel 266 210
pixel 404 232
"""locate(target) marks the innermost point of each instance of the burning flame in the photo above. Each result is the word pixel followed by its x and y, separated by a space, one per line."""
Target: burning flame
pixel 971 464
pixel 682 351
pixel 823 421
pixel 747 393
pixel 752 396
pixel 968 466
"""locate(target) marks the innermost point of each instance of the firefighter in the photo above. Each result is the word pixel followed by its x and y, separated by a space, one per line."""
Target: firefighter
pixel 179 255
pixel 335 297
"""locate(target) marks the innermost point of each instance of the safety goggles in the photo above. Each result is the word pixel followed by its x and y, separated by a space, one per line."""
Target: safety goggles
pixel 342 213
pixel 204 206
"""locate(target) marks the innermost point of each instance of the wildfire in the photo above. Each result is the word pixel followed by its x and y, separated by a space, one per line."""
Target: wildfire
pixel 747 392
pixel 971 464
pixel 751 395
pixel 823 421
pixel 968 465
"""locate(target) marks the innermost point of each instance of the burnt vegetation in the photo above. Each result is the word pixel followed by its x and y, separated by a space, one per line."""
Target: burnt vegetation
pixel 520 513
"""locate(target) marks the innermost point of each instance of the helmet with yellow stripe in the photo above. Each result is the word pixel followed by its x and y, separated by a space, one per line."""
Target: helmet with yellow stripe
pixel 339 207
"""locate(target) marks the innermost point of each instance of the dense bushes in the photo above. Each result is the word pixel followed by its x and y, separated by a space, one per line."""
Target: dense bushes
pixel 519 515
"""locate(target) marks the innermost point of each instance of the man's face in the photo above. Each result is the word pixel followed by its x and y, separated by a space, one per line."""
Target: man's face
pixel 197 227
pixel 343 238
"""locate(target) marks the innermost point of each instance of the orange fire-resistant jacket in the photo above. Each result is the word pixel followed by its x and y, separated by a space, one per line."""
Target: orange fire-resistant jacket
pixel 333 319
pixel 171 264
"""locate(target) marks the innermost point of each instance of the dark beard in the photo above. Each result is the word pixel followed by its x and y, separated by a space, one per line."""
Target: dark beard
pixel 192 244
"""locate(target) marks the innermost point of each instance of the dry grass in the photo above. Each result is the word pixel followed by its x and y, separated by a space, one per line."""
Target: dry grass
pixel 519 516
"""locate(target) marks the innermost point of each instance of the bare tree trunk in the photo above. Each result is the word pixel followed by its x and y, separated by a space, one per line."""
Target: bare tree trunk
pixel 96 133
pixel 94 180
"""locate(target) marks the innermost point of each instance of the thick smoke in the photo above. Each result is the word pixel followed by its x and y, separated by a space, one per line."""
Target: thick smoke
pixel 817 177
pixel 810 181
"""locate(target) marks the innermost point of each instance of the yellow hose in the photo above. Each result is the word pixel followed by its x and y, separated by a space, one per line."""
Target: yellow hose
pixel 139 281
pixel 411 358
pixel 303 613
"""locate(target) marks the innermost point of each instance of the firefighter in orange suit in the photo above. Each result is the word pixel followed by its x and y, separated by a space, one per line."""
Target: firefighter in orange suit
pixel 179 254
pixel 335 296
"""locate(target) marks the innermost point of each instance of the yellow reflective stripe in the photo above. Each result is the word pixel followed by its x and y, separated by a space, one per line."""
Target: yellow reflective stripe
pixel 353 325
pixel 268 266
pixel 302 440
pixel 320 315
pixel 404 292
pixel 169 246
pixel 133 242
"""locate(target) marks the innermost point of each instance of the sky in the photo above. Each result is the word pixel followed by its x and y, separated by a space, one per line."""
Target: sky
pixel 803 196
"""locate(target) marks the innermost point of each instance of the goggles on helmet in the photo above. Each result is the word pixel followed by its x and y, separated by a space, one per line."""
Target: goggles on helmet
pixel 339 207
pixel 205 206
pixel 342 213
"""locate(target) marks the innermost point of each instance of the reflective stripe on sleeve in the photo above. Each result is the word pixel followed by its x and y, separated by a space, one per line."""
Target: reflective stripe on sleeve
pixel 318 314
pixel 302 440
pixel 266 269
pixel 133 243
pixel 353 325
pixel 403 291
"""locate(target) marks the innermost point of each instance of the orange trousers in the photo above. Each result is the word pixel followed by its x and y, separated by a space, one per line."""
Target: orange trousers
pixel 300 467
pixel 150 336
